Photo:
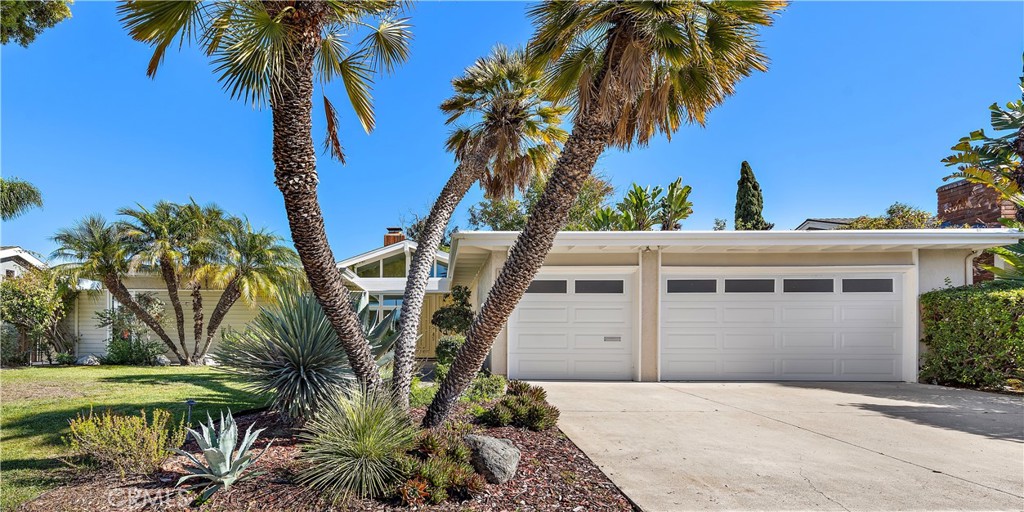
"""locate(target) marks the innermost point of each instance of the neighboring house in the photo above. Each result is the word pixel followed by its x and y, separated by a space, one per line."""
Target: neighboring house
pixel 380 273
pixel 15 261
pixel 726 305
pixel 824 223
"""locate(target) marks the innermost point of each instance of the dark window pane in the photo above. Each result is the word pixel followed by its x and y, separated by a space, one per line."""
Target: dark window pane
pixel 584 286
pixel 394 266
pixel 369 270
pixel 692 286
pixel 392 300
pixel 749 285
pixel 808 285
pixel 867 285
pixel 547 286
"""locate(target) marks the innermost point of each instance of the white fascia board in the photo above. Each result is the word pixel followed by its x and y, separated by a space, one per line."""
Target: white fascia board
pixel 384 252
pixel 396 285
pixel 921 238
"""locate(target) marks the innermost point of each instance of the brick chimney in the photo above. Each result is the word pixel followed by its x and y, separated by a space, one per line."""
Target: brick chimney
pixel 973 204
pixel 393 236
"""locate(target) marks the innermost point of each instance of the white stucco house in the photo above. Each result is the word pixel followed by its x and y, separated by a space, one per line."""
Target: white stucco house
pixel 723 305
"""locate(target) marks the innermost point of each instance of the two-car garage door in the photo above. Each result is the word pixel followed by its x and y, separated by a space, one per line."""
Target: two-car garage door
pixel 729 325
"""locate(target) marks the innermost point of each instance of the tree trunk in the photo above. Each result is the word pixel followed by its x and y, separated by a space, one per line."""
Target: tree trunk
pixel 124 297
pixel 466 174
pixel 581 151
pixel 296 176
pixel 171 280
pixel 227 299
pixel 197 318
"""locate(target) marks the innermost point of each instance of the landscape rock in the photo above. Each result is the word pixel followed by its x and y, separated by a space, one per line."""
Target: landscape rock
pixel 495 459
pixel 88 360
pixel 210 361
pixel 162 360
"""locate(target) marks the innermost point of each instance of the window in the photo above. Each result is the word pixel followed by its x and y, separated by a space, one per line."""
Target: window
pixel 393 266
pixel 392 300
pixel 867 285
pixel 9 273
pixel 808 285
pixel 369 270
pixel 547 286
pixel 439 270
pixel 598 286
pixel 692 286
pixel 749 286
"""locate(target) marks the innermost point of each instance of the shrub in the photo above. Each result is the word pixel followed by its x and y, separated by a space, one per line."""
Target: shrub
pixel 975 334
pixel 454 317
pixel 134 351
pixel 524 406
pixel 447 347
pixel 485 388
pixel 224 464
pixel 127 444
pixel 64 358
pixel 131 341
pixel 291 353
pixel 438 468
pixel 11 351
pixel 421 394
pixel 357 445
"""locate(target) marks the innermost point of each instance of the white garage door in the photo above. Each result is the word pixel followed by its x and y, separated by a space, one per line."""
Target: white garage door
pixel 573 326
pixel 830 326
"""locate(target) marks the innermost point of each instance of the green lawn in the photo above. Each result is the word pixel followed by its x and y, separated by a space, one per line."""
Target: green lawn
pixel 35 404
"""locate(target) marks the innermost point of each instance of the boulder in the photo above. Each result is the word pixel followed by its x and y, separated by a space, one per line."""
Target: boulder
pixel 495 459
pixel 88 360
pixel 162 360
pixel 210 361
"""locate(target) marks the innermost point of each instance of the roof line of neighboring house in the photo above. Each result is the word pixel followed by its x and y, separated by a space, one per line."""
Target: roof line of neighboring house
pixel 13 252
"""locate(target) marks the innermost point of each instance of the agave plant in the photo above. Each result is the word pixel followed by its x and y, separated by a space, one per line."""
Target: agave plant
pixel 291 352
pixel 224 463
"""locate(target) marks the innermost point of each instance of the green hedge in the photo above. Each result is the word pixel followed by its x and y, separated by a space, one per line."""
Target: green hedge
pixel 975 334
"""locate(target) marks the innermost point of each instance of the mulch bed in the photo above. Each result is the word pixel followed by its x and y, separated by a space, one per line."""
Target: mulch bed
pixel 553 474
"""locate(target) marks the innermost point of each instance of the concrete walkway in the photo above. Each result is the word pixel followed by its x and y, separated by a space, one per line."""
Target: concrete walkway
pixel 806 446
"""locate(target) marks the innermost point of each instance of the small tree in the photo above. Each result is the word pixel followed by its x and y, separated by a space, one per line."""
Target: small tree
pixel 35 303
pixel 455 316
pixel 719 224
pixel 131 341
pixel 749 202
pixel 22 21
pixel 897 216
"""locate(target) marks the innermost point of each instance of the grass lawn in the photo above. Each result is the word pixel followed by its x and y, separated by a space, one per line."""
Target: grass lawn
pixel 36 403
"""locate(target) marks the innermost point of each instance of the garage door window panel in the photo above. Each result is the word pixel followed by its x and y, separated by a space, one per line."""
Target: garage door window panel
pixel 598 286
pixel 749 286
pixel 692 286
pixel 867 285
pixel 548 286
pixel 808 285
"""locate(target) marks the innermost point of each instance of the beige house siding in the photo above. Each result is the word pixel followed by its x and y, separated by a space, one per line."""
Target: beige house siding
pixel 426 346
pixel 650 310
pixel 92 338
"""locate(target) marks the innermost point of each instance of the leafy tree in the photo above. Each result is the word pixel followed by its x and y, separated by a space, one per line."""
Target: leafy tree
pixel 22 20
pixel 273 54
pixel 455 316
pixel 510 214
pixel 630 70
pixel 639 209
pixel 414 229
pixel 35 303
pixel 897 216
pixel 642 208
pixel 507 135
pixel 17 197
pixel 719 224
pixel 675 206
pixel 749 202
pixel 498 215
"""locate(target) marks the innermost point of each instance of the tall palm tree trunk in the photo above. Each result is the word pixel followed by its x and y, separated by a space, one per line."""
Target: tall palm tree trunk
pixel 171 280
pixel 124 297
pixel 585 145
pixel 296 176
pixel 466 174
pixel 197 319
pixel 227 299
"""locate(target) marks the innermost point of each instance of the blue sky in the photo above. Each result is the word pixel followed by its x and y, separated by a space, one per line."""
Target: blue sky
pixel 861 102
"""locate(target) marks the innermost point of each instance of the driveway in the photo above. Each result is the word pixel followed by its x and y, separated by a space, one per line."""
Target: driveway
pixel 806 446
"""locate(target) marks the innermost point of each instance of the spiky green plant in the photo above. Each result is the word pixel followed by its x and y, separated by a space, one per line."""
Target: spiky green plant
pixel 226 459
pixel 357 445
pixel 291 352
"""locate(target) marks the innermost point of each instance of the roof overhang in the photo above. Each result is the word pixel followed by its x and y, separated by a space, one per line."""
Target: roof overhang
pixel 26 259
pixel 384 252
pixel 469 247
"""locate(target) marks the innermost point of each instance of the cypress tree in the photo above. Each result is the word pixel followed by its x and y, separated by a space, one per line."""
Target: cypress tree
pixel 749 202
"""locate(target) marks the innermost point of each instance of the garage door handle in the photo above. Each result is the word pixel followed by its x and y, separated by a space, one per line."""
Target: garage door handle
pixel 615 339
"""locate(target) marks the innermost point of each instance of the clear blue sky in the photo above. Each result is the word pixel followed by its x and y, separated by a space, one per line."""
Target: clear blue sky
pixel 861 102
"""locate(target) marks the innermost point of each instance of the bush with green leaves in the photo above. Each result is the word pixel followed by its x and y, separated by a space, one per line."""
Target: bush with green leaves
pixel 455 316
pixel 447 348
pixel 11 351
pixel 131 341
pixel 226 459
pixel 974 334
pixel 64 358
pixel 485 387
pixel 357 445
pixel 421 393
pixel 291 352
pixel 132 351
pixel 438 468
pixel 523 406
pixel 130 445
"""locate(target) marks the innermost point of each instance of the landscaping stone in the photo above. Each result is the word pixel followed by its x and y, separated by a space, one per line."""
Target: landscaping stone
pixel 88 360
pixel 210 361
pixel 495 459
pixel 162 360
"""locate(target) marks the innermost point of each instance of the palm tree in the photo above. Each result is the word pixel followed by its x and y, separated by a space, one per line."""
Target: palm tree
pixel 272 53
pixel 630 70
pixel 513 137
pixel 158 233
pixel 17 197
pixel 100 250
pixel 251 264
pixel 200 227
pixel 639 209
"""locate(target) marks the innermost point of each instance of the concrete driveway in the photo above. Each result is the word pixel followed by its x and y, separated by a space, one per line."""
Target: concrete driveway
pixel 806 446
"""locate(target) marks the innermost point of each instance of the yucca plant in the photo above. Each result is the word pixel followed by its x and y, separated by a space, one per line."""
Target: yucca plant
pixel 291 352
pixel 224 463
pixel 357 445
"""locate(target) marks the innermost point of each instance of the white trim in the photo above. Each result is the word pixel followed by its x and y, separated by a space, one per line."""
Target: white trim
pixel 746 269
pixel 567 269
pixel 385 251
pixel 911 321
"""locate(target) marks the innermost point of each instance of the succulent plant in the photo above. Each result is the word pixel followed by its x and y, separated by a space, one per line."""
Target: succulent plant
pixel 226 459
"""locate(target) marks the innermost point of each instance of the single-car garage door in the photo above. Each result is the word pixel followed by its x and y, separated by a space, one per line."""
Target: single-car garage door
pixel 750 326
pixel 573 326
